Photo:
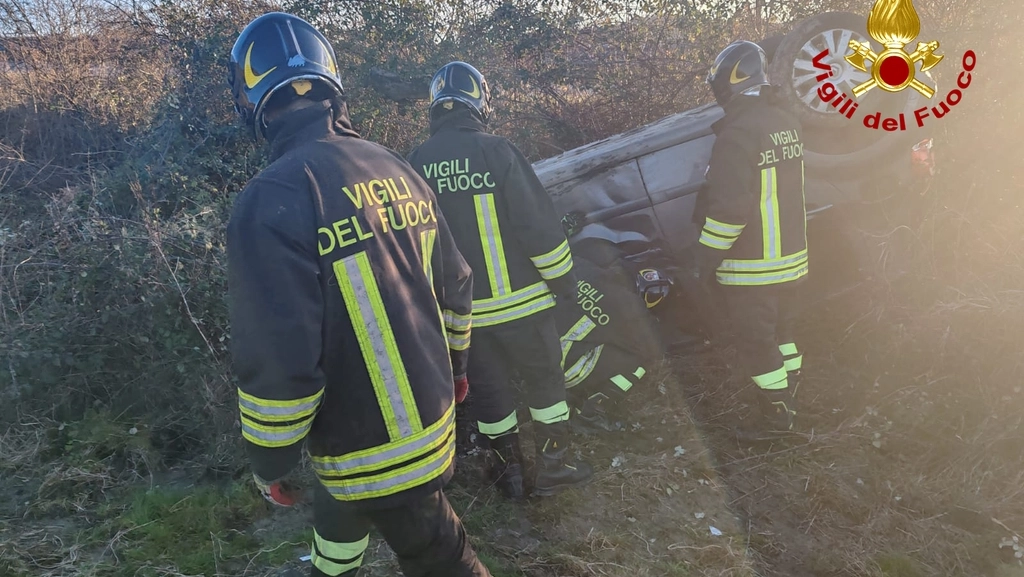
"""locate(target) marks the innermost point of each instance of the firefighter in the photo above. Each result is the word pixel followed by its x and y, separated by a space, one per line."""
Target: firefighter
pixel 505 225
pixel 350 311
pixel 608 339
pixel 753 239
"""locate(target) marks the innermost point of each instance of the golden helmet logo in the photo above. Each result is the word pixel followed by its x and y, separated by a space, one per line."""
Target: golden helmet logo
pixel 894 24
pixel 251 78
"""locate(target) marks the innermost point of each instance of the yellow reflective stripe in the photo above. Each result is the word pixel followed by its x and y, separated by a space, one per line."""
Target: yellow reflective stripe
pixel 336 558
pixel 766 278
pixel 770 223
pixel 788 349
pixel 578 332
pixel 490 240
pixel 274 437
pixel 506 425
pixel 622 382
pixel 557 271
pixel 723 229
pixel 552 257
pixel 377 343
pixel 763 265
pixel 583 367
pixel 390 454
pixel 514 306
pixel 712 241
pixel 554 263
pixel 427 251
pixel 554 414
pixel 272 410
pixel 773 381
pixel 457 322
pixel 794 363
pixel 396 481
pixel 458 342
pixel 639 372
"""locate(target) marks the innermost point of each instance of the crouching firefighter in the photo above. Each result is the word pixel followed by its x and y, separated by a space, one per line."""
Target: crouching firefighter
pixel 753 239
pixel 350 314
pixel 609 341
pixel 505 226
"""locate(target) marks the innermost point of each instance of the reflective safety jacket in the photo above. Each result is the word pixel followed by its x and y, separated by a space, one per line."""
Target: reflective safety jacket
pixel 608 313
pixel 502 218
pixel 349 304
pixel 752 208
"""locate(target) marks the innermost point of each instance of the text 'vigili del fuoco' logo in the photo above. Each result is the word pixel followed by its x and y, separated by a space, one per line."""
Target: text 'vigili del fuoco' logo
pixel 894 24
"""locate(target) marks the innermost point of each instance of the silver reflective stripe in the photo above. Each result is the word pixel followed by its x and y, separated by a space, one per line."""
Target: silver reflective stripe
pixel 771 212
pixel 578 331
pixel 418 473
pixel 277 438
pixel 485 305
pixel 401 449
pixel 763 279
pixel 300 411
pixel 491 236
pixel 520 311
pixel 583 366
pixel 730 265
pixel 371 329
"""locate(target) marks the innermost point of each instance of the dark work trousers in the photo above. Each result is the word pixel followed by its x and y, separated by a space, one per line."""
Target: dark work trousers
pixel 529 346
pixel 616 373
pixel 762 327
pixel 426 535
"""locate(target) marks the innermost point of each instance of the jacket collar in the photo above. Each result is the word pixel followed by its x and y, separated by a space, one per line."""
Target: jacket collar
pixel 322 119
pixel 735 108
pixel 463 119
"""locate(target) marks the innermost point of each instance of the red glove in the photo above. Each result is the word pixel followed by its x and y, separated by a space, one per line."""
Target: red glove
pixel 461 388
pixel 275 493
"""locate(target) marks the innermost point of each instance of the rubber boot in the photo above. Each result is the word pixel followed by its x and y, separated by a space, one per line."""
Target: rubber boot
pixel 556 470
pixel 506 469
pixel 778 408
pixel 592 417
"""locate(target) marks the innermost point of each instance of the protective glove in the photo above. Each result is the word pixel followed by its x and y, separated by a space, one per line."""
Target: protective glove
pixel 461 388
pixel 275 492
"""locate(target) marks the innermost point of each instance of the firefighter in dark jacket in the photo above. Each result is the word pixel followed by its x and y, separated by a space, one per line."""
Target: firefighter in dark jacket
pixel 753 239
pixel 505 225
pixel 609 341
pixel 350 312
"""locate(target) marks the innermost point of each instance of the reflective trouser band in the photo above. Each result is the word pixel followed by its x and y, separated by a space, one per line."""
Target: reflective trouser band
pixel 512 306
pixel 424 469
pixel 377 343
pixel 555 263
pixel 554 414
pixel 492 244
pixel 720 235
pixel 457 327
pixel 791 356
pixel 775 380
pixel 770 222
pixel 509 424
pixel 578 332
pixel 275 423
pixel 333 558
pixel 625 383
pixel 583 367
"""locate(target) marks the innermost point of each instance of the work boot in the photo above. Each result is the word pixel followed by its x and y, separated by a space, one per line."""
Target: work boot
pixel 778 408
pixel 592 417
pixel 556 470
pixel 506 470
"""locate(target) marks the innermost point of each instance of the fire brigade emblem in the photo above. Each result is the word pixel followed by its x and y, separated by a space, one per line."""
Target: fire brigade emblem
pixel 893 24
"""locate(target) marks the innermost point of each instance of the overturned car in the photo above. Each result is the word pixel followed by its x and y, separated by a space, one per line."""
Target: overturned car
pixel 627 201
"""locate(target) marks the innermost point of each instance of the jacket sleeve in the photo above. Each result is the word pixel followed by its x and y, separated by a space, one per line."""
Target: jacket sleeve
pixel 728 201
pixel 276 315
pixel 535 224
pixel 453 285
